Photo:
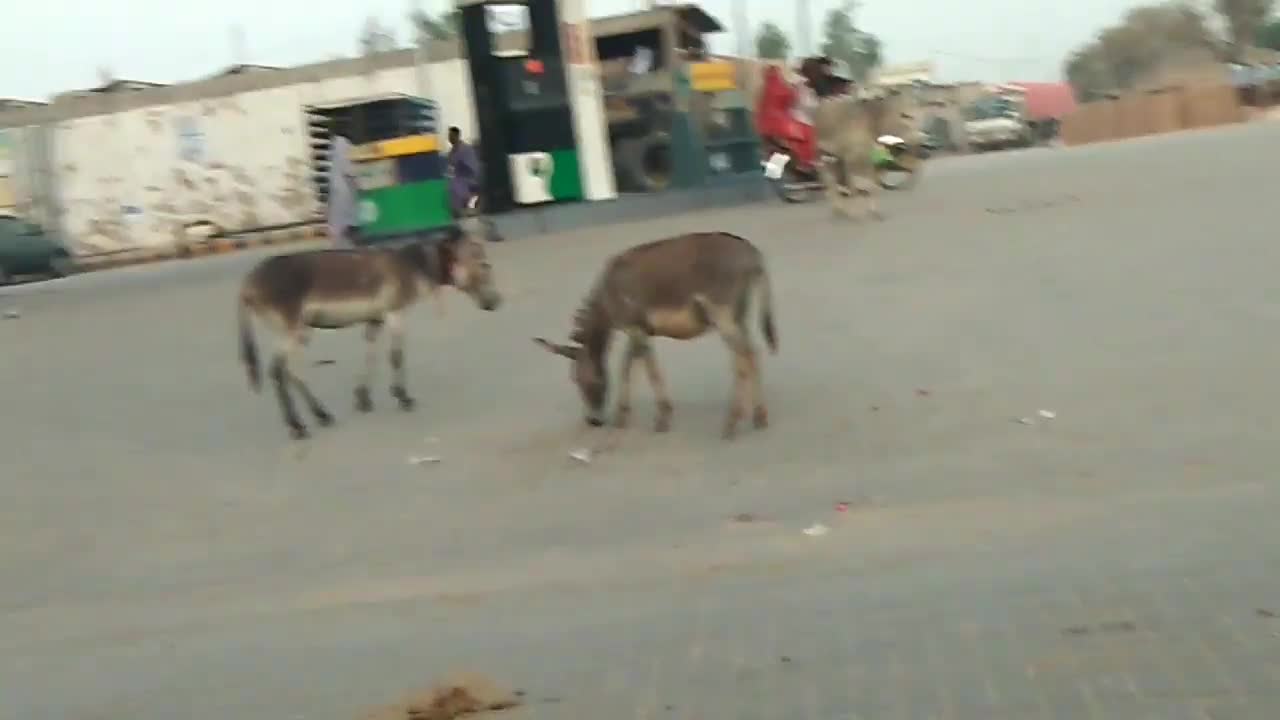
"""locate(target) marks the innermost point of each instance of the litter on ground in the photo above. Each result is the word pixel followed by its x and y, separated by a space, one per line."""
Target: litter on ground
pixel 464 696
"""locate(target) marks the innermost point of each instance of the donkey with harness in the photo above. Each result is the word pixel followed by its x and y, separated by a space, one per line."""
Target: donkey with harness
pixel 849 127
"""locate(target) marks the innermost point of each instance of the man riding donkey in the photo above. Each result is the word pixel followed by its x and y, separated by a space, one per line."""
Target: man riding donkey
pixel 785 110
pixel 849 128
pixel 832 132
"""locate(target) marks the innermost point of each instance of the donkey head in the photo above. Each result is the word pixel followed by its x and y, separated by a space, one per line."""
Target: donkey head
pixel 586 353
pixel 893 113
pixel 461 261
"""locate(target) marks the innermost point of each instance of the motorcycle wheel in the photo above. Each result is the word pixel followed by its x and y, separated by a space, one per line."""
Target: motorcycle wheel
pixel 792 188
pixel 896 177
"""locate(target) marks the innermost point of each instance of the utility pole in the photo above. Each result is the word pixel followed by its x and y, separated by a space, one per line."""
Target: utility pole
pixel 237 44
pixel 804 28
pixel 742 28
pixel 420 58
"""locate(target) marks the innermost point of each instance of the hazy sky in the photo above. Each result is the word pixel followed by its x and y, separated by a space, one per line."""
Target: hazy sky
pixel 55 45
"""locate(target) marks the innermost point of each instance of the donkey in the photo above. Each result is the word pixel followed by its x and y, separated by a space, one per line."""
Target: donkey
pixel 678 287
pixel 847 128
pixel 333 289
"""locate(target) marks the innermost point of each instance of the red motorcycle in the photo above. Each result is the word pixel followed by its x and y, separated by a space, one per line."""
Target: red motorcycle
pixel 791 147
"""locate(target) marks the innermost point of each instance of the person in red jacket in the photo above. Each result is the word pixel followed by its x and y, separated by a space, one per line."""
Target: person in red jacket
pixel 773 105
pixel 784 116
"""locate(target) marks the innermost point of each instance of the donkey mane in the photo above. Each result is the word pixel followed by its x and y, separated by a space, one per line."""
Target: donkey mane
pixel 435 259
pixel 587 318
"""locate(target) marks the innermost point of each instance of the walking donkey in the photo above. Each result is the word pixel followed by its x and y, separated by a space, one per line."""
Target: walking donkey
pixel 847 127
pixel 679 288
pixel 333 289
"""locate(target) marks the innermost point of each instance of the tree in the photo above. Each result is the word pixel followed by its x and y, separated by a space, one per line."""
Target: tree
pixel 1269 36
pixel 772 43
pixel 375 38
pixel 441 27
pixel 1244 18
pixel 1146 39
pixel 844 41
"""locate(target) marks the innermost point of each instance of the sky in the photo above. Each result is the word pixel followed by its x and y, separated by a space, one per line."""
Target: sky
pixel 52 46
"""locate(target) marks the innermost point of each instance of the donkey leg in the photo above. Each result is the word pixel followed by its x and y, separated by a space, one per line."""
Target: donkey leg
pixel 280 377
pixel 734 337
pixel 868 190
pixel 829 183
pixel 873 202
pixel 622 412
pixel 759 413
pixel 301 338
pixel 395 327
pixel 663 421
pixel 364 399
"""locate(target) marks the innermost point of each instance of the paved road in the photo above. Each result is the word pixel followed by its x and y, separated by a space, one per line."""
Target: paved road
pixel 164 554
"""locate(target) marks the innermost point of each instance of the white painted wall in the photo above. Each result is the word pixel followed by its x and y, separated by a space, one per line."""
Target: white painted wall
pixel 125 184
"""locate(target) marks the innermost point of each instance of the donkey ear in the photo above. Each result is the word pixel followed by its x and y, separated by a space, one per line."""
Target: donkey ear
pixel 562 350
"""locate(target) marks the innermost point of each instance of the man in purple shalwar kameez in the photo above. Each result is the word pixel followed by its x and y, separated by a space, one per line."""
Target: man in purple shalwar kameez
pixel 464 173
pixel 464 181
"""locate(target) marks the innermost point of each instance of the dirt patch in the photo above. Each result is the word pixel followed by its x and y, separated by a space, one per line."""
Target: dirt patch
pixel 462 695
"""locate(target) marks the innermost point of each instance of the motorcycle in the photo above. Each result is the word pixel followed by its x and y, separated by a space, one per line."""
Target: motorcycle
pixel 898 166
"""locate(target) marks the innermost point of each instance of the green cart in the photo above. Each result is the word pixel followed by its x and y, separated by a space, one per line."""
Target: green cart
pixel 400 167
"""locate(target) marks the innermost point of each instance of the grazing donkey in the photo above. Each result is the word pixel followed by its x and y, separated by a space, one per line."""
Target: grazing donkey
pixel 332 289
pixel 678 288
pixel 847 127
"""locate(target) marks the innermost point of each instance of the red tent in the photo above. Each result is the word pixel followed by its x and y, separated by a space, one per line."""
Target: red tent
pixel 1047 101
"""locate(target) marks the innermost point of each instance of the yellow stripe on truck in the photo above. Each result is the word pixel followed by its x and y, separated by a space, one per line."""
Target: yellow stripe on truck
pixel 713 76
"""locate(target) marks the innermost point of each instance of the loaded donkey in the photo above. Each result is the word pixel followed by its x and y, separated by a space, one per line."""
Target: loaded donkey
pixel 333 289
pixel 847 126
pixel 680 288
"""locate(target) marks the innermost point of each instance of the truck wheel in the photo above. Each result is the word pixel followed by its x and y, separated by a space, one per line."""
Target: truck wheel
pixel 645 163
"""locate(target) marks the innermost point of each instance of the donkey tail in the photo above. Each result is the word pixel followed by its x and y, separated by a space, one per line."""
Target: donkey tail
pixel 767 326
pixel 248 346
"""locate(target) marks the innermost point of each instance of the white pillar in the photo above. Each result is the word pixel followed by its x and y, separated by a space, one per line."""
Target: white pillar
pixel 586 100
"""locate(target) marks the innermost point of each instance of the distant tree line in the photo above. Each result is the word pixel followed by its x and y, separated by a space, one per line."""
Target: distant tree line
pixel 842 38
pixel 376 37
pixel 1153 36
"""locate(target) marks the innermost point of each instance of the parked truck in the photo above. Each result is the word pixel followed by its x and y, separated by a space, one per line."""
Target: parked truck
pixel 642 56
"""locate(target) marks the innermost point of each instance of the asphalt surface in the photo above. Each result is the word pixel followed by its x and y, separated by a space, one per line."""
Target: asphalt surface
pixel 165 552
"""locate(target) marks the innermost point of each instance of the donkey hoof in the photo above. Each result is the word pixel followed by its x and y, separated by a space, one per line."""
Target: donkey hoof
pixel 364 402
pixel 662 425
pixel 299 432
pixel 760 418
pixel 407 403
pixel 324 418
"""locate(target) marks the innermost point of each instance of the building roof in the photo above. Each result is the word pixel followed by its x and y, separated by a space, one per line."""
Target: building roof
pixel 1046 100
pixel 696 17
